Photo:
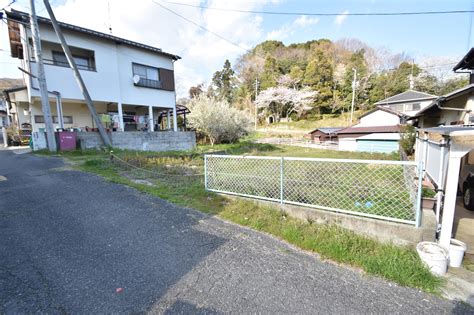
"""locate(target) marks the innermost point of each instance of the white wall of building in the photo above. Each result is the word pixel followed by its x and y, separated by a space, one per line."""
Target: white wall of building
pixel 347 144
pixel 378 118
pixel 112 80
pixel 405 108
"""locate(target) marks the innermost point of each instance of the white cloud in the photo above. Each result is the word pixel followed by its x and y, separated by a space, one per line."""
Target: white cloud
pixel 202 53
pixel 304 21
pixel 281 33
pixel 289 29
pixel 341 18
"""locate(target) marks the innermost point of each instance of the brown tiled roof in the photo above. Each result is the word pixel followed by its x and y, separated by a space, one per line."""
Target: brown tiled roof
pixel 373 129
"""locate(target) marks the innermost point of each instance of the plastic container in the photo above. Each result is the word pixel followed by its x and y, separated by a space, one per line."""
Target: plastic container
pixel 434 256
pixel 456 253
pixel 66 140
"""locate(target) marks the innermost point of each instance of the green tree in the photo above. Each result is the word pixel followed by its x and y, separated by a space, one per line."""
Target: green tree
pixel 392 82
pixel 270 74
pixel 224 82
pixel 356 61
pixel 319 77
pixel 297 75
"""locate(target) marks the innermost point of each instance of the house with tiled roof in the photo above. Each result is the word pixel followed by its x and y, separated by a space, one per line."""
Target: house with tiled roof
pixel 378 130
pixel 455 108
pixel 408 103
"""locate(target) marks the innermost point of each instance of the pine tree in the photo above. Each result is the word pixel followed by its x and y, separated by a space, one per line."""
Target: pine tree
pixel 224 82
pixel 319 77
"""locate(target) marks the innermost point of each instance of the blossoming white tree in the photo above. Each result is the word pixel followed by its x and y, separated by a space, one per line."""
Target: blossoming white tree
pixel 217 120
pixel 283 100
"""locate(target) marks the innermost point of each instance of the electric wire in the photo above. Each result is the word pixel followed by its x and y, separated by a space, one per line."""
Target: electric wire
pixel 321 13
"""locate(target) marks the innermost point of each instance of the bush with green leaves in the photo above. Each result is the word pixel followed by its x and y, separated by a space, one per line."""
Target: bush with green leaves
pixel 408 138
pixel 217 121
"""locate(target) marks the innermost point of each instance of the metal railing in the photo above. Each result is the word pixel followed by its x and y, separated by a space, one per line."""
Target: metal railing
pixel 387 190
pixel 155 84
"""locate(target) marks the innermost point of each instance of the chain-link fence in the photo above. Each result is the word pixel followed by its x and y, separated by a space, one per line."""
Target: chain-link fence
pixel 386 190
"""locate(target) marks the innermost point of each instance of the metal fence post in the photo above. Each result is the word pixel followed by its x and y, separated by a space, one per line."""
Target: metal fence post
pixel 282 177
pixel 418 197
pixel 205 171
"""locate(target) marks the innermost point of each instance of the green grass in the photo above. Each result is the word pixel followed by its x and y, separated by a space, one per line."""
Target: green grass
pixel 327 120
pixel 248 147
pixel 244 147
pixel 397 264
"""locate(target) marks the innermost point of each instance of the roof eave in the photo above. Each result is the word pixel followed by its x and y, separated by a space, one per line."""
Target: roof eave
pixel 22 17
pixel 467 62
pixel 406 101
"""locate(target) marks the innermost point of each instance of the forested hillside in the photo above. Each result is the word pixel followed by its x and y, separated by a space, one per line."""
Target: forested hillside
pixel 326 68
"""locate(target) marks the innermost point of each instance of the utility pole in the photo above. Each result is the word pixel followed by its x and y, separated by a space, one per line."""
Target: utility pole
pixel 255 102
pixel 77 75
pixel 353 92
pixel 48 121
pixel 412 82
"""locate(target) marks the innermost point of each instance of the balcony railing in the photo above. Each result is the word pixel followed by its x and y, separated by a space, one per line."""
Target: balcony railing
pixel 154 84
pixel 66 65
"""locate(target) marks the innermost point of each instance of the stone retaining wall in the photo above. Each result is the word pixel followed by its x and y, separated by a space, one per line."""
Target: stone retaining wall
pixel 141 141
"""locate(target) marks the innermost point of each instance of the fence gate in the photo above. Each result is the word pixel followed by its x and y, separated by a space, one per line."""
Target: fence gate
pixel 388 190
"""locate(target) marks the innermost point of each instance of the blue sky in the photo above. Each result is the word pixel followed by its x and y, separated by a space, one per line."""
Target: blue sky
pixel 433 39
pixel 418 35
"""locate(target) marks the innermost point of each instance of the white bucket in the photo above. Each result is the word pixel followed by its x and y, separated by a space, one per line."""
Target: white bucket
pixel 434 256
pixel 456 253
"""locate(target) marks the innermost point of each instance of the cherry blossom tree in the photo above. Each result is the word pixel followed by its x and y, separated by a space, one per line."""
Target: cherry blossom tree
pixel 282 101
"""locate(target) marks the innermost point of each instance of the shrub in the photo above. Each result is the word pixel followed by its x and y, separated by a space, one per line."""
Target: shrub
pixel 407 139
pixel 217 120
pixel 427 192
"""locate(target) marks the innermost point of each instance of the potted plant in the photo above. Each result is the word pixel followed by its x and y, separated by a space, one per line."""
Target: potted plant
pixel 13 136
pixel 427 198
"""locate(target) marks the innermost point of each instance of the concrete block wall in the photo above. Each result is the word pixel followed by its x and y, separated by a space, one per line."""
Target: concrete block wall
pixel 141 141
pixel 382 231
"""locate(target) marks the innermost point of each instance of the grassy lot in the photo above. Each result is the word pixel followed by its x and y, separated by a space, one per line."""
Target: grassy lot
pixel 373 189
pixel 248 147
pixel 175 176
pixel 328 120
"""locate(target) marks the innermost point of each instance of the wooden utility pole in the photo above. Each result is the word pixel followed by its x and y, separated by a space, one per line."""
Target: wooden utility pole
pixel 48 121
pixel 255 102
pixel 353 93
pixel 77 75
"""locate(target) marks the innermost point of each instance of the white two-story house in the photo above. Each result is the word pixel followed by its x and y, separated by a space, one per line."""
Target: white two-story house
pixel 131 84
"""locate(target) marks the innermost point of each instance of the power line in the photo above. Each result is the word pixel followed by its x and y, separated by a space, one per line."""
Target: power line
pixel 9 4
pixel 201 27
pixel 321 14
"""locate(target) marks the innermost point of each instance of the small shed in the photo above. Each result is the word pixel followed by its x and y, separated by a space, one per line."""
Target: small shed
pixel 325 134
pixel 369 139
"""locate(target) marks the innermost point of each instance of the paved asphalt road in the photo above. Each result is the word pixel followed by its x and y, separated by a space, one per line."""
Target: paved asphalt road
pixel 69 240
